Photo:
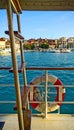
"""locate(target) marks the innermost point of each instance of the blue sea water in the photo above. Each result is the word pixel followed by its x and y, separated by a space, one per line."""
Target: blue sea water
pixel 37 59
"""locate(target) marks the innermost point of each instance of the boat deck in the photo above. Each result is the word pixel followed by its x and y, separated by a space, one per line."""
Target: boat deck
pixel 54 122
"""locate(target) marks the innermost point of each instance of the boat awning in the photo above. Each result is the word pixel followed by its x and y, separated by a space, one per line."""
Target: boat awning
pixel 48 5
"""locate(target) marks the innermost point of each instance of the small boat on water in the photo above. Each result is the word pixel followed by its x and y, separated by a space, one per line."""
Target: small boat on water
pixel 5 52
pixel 52 51
pixel 57 50
pixel 62 50
pixel 65 50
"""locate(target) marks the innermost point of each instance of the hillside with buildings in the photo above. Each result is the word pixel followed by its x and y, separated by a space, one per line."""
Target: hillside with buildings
pixel 5 43
pixel 37 44
pixel 49 43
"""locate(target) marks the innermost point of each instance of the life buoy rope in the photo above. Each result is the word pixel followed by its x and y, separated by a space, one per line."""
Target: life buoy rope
pixel 34 93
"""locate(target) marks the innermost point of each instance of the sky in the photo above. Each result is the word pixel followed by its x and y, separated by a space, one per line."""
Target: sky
pixel 44 24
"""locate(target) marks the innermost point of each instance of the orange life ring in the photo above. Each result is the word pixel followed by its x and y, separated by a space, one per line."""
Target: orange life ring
pixel 60 90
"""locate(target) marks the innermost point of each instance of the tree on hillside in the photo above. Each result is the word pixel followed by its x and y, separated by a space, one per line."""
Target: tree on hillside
pixel 44 46
pixel 29 46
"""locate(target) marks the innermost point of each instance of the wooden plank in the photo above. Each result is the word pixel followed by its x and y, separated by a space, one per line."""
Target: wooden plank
pixel 16 6
pixel 37 68
pixel 20 69
pixel 17 34
pixel 27 119
pixel 49 5
pixel 49 68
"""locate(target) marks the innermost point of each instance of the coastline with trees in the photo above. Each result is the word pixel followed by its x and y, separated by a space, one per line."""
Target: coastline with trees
pixel 40 44
pixel 47 44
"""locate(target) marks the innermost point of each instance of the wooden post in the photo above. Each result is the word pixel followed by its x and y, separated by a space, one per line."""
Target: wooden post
pixel 46 85
pixel 22 56
pixel 26 113
pixel 27 119
pixel 15 68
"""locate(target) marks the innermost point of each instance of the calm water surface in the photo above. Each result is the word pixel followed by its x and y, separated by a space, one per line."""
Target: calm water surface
pixel 38 59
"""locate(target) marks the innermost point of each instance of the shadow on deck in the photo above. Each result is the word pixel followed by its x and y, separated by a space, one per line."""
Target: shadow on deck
pixel 54 121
